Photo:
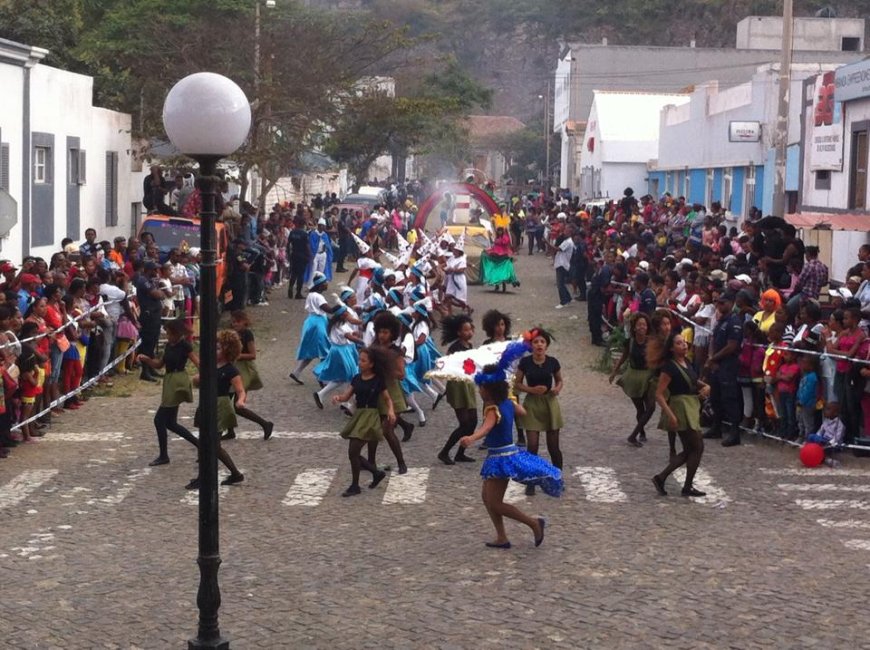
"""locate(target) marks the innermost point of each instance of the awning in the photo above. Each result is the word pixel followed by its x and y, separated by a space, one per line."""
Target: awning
pixel 829 221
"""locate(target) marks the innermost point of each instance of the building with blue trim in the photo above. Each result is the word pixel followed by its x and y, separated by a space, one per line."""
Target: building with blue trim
pixel 719 147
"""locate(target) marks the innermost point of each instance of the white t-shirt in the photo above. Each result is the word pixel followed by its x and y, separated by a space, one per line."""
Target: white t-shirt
pixel 114 295
pixel 408 347
pixel 562 259
pixel 338 334
pixel 314 303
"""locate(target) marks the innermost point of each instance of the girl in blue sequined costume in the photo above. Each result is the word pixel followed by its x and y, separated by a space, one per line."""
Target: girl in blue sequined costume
pixel 505 461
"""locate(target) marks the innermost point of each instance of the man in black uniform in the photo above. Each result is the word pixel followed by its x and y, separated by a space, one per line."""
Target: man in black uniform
pixel 299 253
pixel 150 297
pixel 722 367
pixel 595 296
pixel 238 264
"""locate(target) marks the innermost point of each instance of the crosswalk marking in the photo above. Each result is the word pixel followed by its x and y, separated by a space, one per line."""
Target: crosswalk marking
pixel 281 435
pixel 819 472
pixel 191 497
pixel 24 484
pixel 703 482
pixel 846 523
pixel 407 488
pixel 309 487
pixel 832 504
pixel 124 490
pixel 600 484
pixel 516 492
pixel 857 544
pixel 86 436
pixel 822 487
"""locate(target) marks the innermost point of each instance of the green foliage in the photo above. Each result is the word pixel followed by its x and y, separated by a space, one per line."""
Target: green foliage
pixel 52 24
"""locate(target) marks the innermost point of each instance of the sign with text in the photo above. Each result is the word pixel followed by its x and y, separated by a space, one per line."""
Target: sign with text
pixel 826 127
pixel 853 81
pixel 744 132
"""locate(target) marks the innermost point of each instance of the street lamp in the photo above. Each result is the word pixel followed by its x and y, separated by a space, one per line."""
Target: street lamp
pixel 207 117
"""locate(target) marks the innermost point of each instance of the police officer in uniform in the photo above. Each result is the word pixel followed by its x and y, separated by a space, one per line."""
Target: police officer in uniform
pixel 721 369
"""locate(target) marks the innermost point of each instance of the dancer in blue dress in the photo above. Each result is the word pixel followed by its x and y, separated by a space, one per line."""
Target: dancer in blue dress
pixel 341 362
pixel 314 342
pixel 505 461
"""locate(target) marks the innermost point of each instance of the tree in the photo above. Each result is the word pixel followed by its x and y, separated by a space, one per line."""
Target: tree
pixel 425 122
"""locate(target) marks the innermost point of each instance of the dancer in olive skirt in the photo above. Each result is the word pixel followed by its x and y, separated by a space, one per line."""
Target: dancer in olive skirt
pixel 387 330
pixel 682 409
pixel 540 377
pixel 457 331
pixel 177 387
pixel 229 381
pixel 635 381
pixel 368 388
pixel 247 367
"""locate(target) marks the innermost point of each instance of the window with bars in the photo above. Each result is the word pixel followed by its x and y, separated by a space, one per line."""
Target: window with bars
pixel 4 166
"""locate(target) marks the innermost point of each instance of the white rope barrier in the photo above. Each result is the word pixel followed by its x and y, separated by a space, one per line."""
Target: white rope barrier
pixel 90 382
pixel 70 321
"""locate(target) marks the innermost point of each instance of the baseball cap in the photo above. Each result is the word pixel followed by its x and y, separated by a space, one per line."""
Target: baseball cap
pixel 28 278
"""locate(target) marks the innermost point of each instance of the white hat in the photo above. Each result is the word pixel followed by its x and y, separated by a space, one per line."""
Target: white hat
pixel 561 216
pixel 405 258
pixel 745 279
pixel 360 244
pixel 643 264
pixel 447 238
pixel 321 221
pixel 460 242
pixel 686 260
pixel 392 259
pixel 730 259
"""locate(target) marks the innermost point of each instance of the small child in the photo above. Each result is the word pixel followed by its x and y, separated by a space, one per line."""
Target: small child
pixel 772 359
pixel 787 377
pixel 807 396
pixel 505 461
pixel 833 430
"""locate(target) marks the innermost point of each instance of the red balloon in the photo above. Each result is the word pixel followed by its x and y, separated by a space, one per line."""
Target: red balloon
pixel 812 454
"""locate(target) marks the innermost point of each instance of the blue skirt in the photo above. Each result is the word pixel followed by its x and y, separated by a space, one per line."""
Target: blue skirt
pixel 410 384
pixel 511 462
pixel 424 362
pixel 341 364
pixel 314 343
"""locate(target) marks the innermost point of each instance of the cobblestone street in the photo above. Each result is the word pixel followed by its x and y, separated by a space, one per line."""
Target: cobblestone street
pixel 99 551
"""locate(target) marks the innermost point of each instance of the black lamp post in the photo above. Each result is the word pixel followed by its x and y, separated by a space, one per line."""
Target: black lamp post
pixel 207 117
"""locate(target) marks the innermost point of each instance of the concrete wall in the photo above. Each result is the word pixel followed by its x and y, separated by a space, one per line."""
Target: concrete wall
pixel 11 133
pixel 812 34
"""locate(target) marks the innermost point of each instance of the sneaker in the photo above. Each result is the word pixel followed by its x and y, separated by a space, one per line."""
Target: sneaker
pixel 560 307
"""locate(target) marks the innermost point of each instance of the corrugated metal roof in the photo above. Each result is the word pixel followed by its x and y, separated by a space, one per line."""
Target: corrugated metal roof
pixel 829 221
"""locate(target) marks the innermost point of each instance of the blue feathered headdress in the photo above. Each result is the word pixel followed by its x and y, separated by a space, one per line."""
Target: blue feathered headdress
pixel 512 353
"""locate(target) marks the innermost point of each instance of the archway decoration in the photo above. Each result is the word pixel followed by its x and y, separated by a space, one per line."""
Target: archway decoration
pixel 457 190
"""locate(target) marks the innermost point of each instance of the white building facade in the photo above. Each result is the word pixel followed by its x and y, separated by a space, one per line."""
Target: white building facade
pixel 622 135
pixel 66 163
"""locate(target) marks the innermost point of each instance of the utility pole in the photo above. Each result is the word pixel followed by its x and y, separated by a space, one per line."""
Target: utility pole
pixel 781 134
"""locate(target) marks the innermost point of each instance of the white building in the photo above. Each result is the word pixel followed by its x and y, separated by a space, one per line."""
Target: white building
pixel 582 68
pixel 64 162
pixel 622 135
pixel 834 204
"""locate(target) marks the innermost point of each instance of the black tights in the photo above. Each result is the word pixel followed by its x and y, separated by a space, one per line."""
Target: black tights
pixel 644 407
pixel 392 441
pixel 532 438
pixel 165 419
pixel 357 462
pixel 467 419
pixel 693 449
pixel 248 414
